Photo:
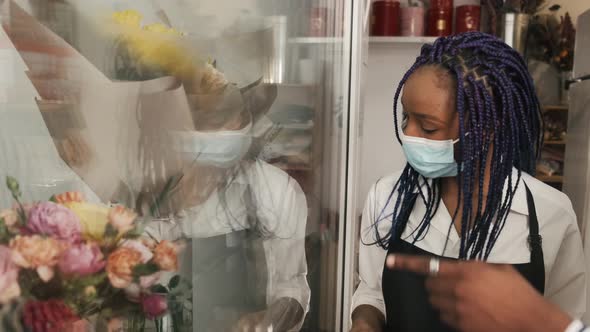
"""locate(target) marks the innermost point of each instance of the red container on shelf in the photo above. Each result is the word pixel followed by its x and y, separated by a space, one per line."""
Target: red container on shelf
pixel 439 22
pixel 385 19
pixel 318 22
pixel 445 5
pixel 412 21
pixel 467 18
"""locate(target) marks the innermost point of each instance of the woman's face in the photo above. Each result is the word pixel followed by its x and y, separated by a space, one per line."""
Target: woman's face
pixel 235 121
pixel 428 103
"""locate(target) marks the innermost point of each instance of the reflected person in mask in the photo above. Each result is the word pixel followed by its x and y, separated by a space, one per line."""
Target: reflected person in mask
pixel 246 220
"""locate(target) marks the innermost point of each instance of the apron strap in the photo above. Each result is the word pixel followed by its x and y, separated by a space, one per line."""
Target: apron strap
pixel 535 241
pixel 403 220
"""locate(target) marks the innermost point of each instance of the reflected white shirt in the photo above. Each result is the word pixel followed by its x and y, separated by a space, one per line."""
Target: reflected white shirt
pixel 281 208
pixel 565 275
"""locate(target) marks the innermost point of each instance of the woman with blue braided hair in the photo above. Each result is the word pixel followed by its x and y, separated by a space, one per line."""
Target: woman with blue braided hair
pixel 471 130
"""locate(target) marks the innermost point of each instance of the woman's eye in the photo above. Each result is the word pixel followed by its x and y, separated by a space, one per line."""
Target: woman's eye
pixel 428 131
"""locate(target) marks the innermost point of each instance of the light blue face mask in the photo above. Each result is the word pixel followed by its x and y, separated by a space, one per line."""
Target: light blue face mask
pixel 432 159
pixel 216 148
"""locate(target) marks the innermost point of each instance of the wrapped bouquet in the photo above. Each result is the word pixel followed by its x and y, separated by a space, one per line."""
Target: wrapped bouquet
pixel 66 260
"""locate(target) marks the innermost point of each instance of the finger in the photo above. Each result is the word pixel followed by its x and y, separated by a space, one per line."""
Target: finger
pixel 442 286
pixel 421 265
pixel 450 319
pixel 243 325
pixel 443 304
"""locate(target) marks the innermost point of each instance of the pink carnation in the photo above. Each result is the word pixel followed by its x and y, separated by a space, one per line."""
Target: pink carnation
pixel 9 287
pixel 145 252
pixel 55 220
pixel 82 259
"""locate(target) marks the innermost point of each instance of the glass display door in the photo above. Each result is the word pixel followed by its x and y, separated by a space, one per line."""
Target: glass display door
pixel 196 151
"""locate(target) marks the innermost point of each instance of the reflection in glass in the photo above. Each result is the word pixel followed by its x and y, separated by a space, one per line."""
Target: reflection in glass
pixel 218 123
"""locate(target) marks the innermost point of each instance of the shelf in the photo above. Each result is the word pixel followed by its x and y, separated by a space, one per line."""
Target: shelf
pixel 315 40
pixel 554 142
pixel 551 179
pixel 555 108
pixel 293 167
pixel 296 85
pixel 401 40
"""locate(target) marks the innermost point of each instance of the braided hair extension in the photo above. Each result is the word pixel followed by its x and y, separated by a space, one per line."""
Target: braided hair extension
pixel 500 126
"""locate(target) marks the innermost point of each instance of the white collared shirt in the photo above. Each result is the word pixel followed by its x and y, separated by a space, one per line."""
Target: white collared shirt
pixel 565 276
pixel 281 209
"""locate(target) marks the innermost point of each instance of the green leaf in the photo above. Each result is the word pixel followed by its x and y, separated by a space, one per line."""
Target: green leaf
pixel 134 233
pixel 92 280
pixel 4 233
pixel 169 187
pixel 110 231
pixel 173 283
pixel 53 199
pixel 145 269
pixel 159 289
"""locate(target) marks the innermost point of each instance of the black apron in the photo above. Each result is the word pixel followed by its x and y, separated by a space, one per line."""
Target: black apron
pixel 406 298
pixel 230 275
pixel 230 279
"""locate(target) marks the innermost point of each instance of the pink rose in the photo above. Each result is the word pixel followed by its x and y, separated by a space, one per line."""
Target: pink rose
pixel 134 290
pixel 82 259
pixel 122 219
pixel 55 220
pixel 9 287
pixel 154 305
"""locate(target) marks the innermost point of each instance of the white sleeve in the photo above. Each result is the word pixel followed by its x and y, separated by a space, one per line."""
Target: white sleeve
pixel 282 210
pixel 371 260
pixel 566 282
pixel 577 326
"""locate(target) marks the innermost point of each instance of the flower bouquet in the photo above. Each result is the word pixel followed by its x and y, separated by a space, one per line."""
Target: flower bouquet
pixel 68 261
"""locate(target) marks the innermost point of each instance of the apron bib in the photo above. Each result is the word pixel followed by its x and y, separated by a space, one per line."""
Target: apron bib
pixel 405 295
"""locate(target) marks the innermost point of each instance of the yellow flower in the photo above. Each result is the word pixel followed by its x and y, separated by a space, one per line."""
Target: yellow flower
pixel 154 46
pixel 162 51
pixel 94 219
pixel 130 18
pixel 161 28
pixel 90 291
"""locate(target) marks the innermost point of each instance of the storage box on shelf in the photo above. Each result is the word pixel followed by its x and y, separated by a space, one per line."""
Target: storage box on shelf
pixel 401 40
pixel 551 163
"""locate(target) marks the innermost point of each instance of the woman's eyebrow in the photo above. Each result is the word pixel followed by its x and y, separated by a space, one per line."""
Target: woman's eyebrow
pixel 423 115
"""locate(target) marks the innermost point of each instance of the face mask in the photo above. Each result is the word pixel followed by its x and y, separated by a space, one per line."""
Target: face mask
pixel 217 148
pixel 432 159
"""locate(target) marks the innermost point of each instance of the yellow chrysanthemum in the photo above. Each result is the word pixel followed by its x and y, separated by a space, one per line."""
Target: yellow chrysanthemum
pixel 161 51
pixel 94 219
pixel 161 28
pixel 130 18
pixel 155 45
